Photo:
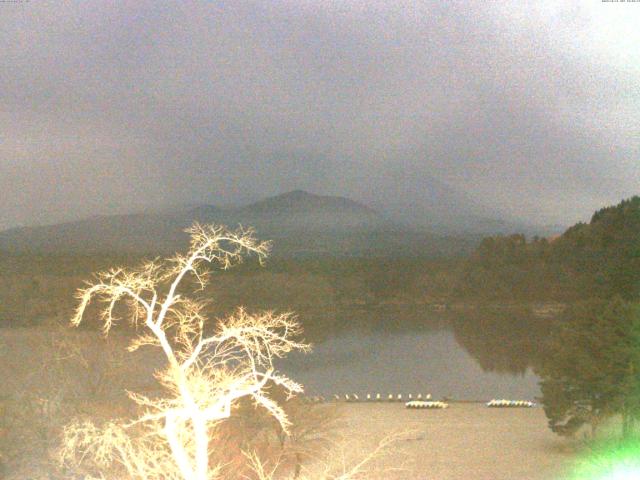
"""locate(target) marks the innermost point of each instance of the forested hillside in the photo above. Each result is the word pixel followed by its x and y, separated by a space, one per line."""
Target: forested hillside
pixel 34 288
pixel 300 224
pixel 596 259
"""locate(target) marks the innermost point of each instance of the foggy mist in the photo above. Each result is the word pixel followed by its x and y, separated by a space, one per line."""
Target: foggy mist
pixel 410 107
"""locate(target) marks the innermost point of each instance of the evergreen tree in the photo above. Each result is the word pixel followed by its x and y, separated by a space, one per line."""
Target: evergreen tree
pixel 590 367
pixel 599 259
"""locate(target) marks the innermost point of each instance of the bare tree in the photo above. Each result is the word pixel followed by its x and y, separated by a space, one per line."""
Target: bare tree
pixel 204 376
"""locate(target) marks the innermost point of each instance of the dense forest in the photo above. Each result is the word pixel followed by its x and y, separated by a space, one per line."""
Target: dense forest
pixel 37 288
pixel 596 259
pixel 600 258
pixel 495 300
pixel 587 356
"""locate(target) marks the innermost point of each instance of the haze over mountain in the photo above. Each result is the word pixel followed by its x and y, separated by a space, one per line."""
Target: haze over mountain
pixel 418 200
pixel 300 223
pixel 529 109
pixel 296 210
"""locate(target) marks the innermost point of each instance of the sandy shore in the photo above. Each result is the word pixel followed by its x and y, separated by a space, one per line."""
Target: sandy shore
pixel 465 441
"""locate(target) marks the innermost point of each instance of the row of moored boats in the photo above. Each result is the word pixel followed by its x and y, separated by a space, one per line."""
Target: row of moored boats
pixel 419 401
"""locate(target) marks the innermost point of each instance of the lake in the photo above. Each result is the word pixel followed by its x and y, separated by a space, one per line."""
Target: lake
pixel 421 353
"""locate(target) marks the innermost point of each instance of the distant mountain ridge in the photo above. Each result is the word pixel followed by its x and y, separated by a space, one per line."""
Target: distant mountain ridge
pixel 300 223
pixel 295 210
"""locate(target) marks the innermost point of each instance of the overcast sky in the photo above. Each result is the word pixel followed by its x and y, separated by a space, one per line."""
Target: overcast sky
pixel 531 107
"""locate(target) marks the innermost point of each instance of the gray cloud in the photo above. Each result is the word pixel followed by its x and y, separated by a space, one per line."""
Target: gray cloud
pixel 531 108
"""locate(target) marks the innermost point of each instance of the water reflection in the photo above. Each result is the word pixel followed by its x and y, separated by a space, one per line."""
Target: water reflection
pixel 472 355
pixel 502 339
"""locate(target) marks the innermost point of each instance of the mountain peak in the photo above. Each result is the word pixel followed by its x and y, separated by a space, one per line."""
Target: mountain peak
pixel 297 193
pixel 296 210
pixel 304 205
pixel 293 196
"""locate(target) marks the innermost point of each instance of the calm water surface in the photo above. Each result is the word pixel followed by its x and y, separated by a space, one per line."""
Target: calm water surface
pixel 422 357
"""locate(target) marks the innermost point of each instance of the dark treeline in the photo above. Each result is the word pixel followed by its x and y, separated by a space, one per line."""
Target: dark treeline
pixel 502 339
pixel 596 259
pixel 589 357
pixel 590 366
pixel 494 299
pixel 34 288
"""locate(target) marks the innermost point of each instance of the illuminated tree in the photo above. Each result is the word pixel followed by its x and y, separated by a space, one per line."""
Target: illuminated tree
pixel 205 374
